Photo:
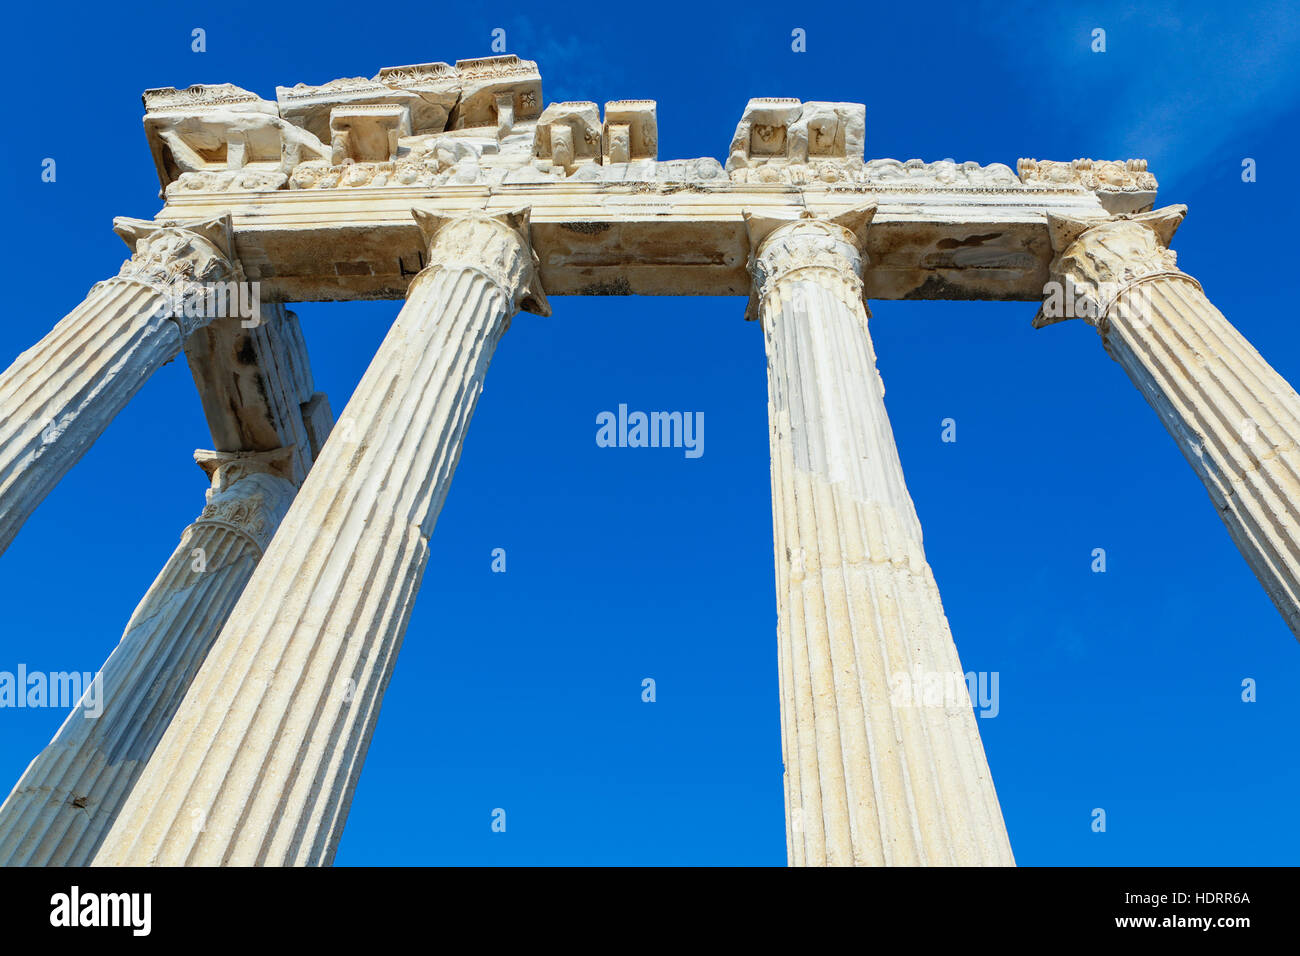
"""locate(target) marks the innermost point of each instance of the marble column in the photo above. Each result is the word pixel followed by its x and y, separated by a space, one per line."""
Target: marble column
pixel 880 768
pixel 60 394
pixel 1233 417
pixel 65 802
pixel 260 762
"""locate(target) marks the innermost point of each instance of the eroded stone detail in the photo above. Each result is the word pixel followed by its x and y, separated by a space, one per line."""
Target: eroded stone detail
pixel 1123 187
pixel 777 131
pixel 250 491
pixel 214 129
pixel 1118 252
pixel 168 254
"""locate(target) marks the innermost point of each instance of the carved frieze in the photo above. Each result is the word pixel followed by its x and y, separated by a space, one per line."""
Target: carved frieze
pixel 250 493
pixel 568 136
pixel 481 122
pixel 881 172
pixel 496 92
pixel 1123 187
pixel 221 128
pixel 779 131
pixel 631 131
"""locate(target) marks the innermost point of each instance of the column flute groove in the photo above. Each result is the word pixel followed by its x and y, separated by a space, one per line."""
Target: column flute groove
pixel 70 795
pixel 261 761
pixel 873 776
pixel 61 394
pixel 1233 417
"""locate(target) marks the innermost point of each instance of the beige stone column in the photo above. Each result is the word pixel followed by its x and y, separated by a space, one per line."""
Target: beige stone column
pixel 60 394
pixel 260 762
pixel 1234 418
pixel 877 772
pixel 64 804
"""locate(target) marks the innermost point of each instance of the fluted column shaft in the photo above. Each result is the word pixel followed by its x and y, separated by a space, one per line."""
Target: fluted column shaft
pixel 60 395
pixel 65 802
pixel 1234 418
pixel 260 762
pixel 873 777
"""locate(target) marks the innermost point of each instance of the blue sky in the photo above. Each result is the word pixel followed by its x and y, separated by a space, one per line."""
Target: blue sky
pixel 523 690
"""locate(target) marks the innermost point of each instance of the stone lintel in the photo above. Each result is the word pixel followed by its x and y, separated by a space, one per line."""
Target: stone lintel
pixel 668 239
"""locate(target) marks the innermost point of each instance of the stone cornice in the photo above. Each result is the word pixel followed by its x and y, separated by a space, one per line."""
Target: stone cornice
pixel 481 122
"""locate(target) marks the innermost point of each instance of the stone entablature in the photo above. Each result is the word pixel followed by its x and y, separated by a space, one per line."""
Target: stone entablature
pixel 481 122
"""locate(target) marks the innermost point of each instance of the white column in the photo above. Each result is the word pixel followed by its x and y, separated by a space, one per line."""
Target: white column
pixel 880 769
pixel 1233 417
pixel 65 802
pixel 60 394
pixel 260 762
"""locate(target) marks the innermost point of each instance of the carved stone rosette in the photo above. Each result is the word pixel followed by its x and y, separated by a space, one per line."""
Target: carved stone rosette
pixel 60 394
pixel 873 776
pixel 68 798
pixel 260 761
pixel 1234 418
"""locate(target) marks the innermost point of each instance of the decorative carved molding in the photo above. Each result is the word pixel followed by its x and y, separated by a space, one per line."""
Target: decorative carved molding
pixel 1130 175
pixel 170 253
pixel 944 174
pixel 785 131
pixel 1096 261
pixel 222 181
pixel 411 77
pixel 222 128
pixel 569 135
pixel 781 248
pixel 499 246
pixel 1123 187
pixel 480 122
pixel 250 493
pixel 197 97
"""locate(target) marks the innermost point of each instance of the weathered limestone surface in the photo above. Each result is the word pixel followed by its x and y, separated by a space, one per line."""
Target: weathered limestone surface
pixel 870 779
pixel 319 183
pixel 255 384
pixel 1122 187
pixel 260 761
pixel 60 395
pixel 1234 418
pixel 65 802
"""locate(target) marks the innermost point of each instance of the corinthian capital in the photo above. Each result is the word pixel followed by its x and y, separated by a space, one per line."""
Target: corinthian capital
pixel 250 493
pixel 498 246
pixel 1096 260
pixel 173 254
pixel 782 247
